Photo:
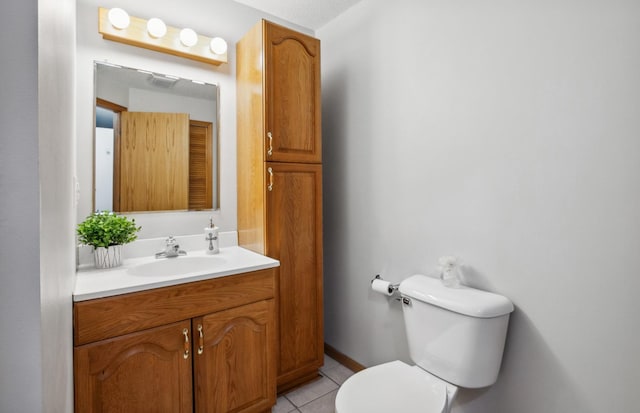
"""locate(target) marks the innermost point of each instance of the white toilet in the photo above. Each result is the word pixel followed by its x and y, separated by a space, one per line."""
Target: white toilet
pixel 456 338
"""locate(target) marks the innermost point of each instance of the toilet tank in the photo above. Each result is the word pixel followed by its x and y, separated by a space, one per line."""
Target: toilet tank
pixel 457 334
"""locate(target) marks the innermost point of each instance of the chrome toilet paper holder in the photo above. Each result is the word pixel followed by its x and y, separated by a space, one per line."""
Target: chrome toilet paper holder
pixel 392 287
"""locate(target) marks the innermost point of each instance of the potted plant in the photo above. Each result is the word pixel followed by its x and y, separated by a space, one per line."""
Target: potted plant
pixel 106 232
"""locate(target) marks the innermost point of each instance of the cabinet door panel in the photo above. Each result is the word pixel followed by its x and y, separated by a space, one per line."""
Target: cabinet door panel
pixel 235 372
pixel 292 96
pixel 294 233
pixel 139 372
pixel 153 156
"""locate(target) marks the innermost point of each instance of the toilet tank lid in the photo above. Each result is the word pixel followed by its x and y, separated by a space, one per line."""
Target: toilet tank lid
pixel 464 300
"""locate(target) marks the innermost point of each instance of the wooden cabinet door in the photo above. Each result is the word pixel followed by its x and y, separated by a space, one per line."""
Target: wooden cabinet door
pixel 139 372
pixel 292 96
pixel 234 359
pixel 294 236
pixel 153 159
pixel 200 165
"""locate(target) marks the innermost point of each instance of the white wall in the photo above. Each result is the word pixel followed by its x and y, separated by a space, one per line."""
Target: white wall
pixel 57 135
pixel 104 169
pixel 20 340
pixel 507 134
pixel 135 99
pixel 223 18
pixel 148 101
pixel 36 169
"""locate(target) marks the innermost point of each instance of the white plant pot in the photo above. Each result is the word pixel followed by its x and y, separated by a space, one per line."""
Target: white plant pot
pixel 107 257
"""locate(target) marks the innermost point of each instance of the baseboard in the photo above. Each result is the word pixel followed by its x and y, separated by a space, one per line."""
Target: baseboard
pixel 342 359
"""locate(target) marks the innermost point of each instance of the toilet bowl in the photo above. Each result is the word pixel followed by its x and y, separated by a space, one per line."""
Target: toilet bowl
pixel 394 387
pixel 456 338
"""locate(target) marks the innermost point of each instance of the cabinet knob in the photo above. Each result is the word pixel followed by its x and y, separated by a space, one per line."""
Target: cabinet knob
pixel 270 137
pixel 185 332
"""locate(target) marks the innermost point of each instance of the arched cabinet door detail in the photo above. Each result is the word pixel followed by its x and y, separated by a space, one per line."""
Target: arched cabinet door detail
pixel 230 347
pixel 292 96
pixel 125 373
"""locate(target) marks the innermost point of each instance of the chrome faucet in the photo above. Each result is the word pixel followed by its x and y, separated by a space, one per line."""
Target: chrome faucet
pixel 171 249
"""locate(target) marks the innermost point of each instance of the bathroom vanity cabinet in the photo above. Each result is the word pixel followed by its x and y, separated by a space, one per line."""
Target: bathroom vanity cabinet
pixel 205 346
pixel 280 183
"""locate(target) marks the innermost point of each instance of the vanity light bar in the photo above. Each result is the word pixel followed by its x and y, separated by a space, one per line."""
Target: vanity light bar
pixel 136 34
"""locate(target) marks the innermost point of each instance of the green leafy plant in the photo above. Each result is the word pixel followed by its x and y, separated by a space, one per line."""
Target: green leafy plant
pixel 103 229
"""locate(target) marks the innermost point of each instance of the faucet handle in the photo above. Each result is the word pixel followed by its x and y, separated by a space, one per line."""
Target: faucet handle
pixel 172 245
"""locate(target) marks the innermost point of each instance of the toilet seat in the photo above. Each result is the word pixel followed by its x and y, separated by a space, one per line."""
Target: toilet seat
pixel 392 387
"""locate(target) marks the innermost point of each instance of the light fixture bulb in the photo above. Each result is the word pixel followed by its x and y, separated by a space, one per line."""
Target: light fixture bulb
pixel 119 18
pixel 188 37
pixel 156 28
pixel 218 45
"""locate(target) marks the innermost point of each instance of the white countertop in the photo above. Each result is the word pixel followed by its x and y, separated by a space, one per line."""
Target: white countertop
pixel 97 283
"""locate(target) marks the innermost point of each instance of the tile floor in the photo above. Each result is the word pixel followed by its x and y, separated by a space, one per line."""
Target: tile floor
pixel 318 396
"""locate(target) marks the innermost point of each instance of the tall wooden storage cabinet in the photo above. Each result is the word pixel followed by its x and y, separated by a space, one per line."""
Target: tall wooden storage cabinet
pixel 280 183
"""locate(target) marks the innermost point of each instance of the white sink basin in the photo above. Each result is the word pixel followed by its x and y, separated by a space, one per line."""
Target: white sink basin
pixel 177 266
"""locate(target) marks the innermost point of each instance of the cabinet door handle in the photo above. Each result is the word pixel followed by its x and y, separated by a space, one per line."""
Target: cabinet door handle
pixel 270 186
pixel 201 343
pixel 270 150
pixel 185 332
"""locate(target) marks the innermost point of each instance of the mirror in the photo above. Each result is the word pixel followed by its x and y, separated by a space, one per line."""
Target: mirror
pixel 155 142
